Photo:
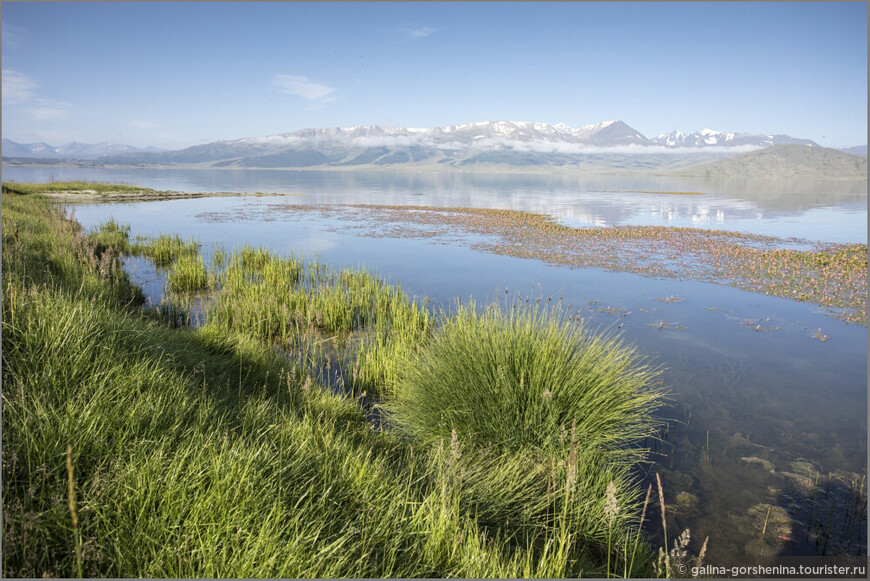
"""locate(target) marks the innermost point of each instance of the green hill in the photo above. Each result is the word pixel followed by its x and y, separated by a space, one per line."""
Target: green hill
pixel 788 161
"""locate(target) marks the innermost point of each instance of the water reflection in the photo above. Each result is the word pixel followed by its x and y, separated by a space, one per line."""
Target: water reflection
pixel 825 210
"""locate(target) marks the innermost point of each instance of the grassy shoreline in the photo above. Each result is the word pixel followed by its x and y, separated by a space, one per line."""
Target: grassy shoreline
pixel 96 191
pixel 25 188
pixel 208 452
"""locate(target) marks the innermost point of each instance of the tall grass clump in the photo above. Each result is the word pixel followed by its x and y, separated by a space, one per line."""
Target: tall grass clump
pixel 188 274
pixel 399 331
pixel 164 249
pixel 524 379
pixel 111 235
pixel 538 388
pixel 305 307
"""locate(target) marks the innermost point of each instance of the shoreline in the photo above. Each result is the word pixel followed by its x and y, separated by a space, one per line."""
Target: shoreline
pixel 72 196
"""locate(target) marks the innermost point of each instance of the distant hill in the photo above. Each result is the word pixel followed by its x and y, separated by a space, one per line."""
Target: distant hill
pixel 857 150
pixel 71 150
pixel 784 161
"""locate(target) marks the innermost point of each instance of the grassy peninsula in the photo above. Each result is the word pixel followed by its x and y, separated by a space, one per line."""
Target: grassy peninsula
pixel 296 432
pixel 78 191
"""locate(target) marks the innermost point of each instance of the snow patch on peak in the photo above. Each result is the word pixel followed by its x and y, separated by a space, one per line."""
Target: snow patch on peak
pixel 504 127
pixel 464 126
pixel 597 126
pixel 671 138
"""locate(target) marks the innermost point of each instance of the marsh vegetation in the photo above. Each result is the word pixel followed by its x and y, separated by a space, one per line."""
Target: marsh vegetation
pixel 78 187
pixel 356 341
pixel 286 435
pixel 74 191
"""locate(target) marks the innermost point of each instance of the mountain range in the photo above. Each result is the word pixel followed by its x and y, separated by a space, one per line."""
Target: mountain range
pixel 607 146
pixel 71 150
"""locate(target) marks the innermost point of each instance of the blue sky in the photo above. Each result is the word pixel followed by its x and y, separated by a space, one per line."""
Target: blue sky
pixel 173 75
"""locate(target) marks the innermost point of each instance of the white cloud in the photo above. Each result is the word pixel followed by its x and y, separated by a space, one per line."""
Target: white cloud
pixel 13 35
pixel 17 87
pixel 391 141
pixel 279 139
pixel 48 110
pixel 421 32
pixel 138 124
pixel 541 146
pixel 304 87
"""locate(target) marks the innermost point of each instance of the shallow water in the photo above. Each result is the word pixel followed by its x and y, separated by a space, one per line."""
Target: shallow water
pixel 769 396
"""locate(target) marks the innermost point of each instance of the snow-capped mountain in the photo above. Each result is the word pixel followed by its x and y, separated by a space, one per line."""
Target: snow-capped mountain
pixel 501 142
pixel 710 137
pixel 608 145
pixel 12 149
pixel 600 134
pixel 501 133
pixel 71 150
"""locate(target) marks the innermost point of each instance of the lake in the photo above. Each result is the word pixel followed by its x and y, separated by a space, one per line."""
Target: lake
pixel 767 421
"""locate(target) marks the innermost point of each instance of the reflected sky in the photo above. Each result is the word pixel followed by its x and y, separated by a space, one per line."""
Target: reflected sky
pixel 818 210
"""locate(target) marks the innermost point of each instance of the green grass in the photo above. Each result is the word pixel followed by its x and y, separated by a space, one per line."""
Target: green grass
pixel 76 186
pixel 519 378
pixel 527 381
pixel 210 453
pixel 347 320
pixel 112 235
pixel 188 274
pixel 164 249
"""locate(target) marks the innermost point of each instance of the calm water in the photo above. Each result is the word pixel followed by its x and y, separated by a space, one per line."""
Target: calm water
pixel 759 419
pixel 827 210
